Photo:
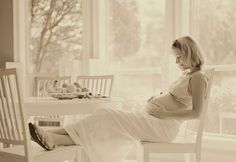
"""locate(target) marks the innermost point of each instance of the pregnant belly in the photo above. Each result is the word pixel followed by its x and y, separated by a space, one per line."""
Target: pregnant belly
pixel 169 102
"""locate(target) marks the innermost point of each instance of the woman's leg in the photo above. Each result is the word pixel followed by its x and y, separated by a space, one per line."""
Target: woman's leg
pixel 58 131
pixel 57 138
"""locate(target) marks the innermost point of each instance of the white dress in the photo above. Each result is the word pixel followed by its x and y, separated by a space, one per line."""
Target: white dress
pixel 108 135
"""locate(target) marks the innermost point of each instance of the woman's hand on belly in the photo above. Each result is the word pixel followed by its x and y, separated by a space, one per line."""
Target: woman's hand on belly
pixel 161 106
pixel 155 110
pixel 168 102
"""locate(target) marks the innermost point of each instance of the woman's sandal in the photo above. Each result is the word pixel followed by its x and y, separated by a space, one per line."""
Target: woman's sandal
pixel 36 138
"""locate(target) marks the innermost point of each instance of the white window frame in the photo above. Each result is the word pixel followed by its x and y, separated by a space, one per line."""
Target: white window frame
pixel 183 26
pixel 177 24
pixel 214 139
pixel 98 39
pixel 20 28
pixel 170 26
pixel 21 39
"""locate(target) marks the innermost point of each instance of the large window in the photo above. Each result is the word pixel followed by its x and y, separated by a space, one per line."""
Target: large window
pixel 136 47
pixel 55 37
pixel 214 24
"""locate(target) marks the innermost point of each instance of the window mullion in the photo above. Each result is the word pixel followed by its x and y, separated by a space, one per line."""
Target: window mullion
pixel 21 45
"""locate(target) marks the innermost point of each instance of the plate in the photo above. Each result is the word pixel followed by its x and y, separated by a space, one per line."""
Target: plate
pixel 67 95
pixel 80 95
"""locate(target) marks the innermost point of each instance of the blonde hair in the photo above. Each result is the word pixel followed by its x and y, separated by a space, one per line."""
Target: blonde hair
pixel 192 54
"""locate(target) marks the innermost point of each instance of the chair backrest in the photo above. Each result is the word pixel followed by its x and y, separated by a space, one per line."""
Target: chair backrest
pixel 12 116
pixel 196 126
pixel 45 84
pixel 97 84
pixel 202 118
pixel 42 83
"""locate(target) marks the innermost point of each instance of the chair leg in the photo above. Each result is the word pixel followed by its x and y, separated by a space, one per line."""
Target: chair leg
pixel 139 153
pixel 84 156
pixel 142 154
pixel 81 156
pixel 198 156
pixel 145 156
pixel 188 157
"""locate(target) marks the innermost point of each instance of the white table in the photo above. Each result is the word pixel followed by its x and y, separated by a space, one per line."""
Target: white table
pixel 52 106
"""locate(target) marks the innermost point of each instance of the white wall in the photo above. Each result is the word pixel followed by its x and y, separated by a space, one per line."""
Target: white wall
pixel 6 32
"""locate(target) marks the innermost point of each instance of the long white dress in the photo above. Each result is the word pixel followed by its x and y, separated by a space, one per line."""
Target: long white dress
pixel 108 135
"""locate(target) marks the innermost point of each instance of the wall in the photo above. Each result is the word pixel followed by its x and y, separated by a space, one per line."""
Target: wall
pixel 6 32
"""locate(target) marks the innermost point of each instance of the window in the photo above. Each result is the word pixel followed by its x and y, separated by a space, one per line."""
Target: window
pixel 55 37
pixel 136 45
pixel 213 24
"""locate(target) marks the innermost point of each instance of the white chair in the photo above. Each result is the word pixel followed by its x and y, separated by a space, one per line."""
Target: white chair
pixel 97 84
pixel 181 145
pixel 42 83
pixel 14 129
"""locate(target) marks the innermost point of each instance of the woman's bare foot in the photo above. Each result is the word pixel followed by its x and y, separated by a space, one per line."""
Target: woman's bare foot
pixel 47 137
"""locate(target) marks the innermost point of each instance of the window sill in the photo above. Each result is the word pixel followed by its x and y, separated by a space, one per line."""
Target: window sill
pixel 231 67
pixel 135 71
pixel 222 142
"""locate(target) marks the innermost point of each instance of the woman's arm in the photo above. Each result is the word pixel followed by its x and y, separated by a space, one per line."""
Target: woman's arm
pixel 198 84
pixel 183 114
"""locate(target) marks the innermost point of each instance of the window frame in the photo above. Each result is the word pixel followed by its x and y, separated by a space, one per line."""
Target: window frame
pixel 170 25
pixel 178 22
pixel 218 68
pixel 21 39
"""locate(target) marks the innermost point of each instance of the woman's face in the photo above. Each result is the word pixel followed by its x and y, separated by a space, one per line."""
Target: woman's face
pixel 179 59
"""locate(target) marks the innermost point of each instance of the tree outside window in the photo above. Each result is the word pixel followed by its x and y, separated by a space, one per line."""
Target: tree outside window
pixel 56 30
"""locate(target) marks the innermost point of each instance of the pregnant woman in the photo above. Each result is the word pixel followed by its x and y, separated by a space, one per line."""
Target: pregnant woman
pixel 108 134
